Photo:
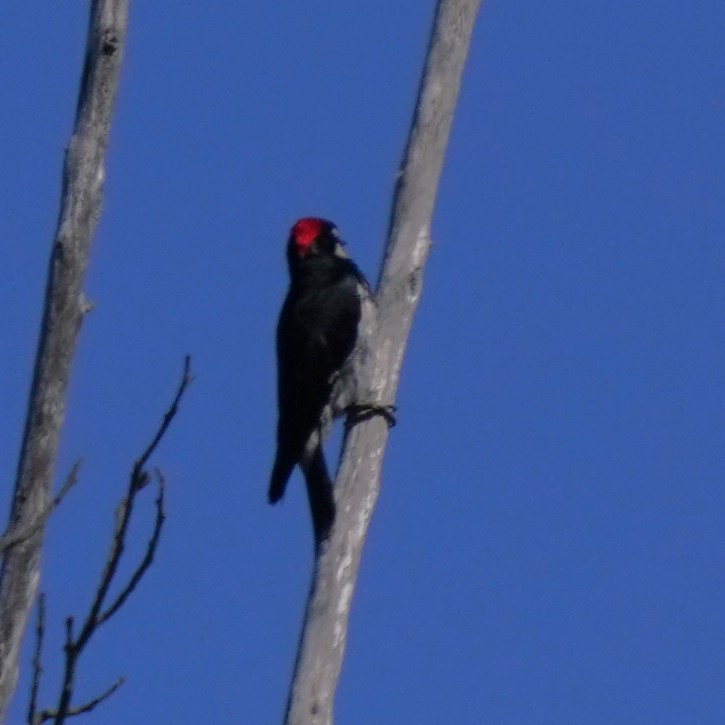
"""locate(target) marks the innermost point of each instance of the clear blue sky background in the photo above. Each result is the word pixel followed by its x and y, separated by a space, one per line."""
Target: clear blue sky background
pixel 548 547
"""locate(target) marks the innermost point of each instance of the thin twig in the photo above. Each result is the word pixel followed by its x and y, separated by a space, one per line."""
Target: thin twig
pixel 186 380
pixel 46 715
pixel 22 533
pixel 148 558
pixel 96 616
pixel 137 481
pixel 37 660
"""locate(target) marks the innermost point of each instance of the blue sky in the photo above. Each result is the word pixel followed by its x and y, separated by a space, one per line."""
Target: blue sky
pixel 548 546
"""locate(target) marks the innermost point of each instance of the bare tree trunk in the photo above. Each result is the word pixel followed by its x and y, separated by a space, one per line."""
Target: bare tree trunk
pixel 322 644
pixel 63 312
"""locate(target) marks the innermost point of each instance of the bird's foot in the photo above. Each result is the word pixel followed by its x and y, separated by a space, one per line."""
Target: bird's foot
pixel 358 412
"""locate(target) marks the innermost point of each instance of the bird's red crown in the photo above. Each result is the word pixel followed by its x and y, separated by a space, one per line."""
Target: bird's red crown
pixel 304 232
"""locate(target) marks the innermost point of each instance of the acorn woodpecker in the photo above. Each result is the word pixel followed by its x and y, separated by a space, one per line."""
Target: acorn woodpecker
pixel 322 331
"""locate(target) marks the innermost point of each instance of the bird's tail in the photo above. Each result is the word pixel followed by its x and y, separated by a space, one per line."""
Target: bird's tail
pixel 319 492
pixel 317 480
pixel 280 475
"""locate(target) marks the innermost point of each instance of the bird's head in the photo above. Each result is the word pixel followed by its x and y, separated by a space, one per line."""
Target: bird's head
pixel 314 237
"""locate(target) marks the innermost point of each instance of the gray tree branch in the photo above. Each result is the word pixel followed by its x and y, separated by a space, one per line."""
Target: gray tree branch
pixel 64 308
pixel 322 643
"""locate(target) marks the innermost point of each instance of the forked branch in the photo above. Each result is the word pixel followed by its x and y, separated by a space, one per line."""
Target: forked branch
pixel 101 610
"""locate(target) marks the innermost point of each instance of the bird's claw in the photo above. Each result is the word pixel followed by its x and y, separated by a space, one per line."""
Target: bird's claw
pixel 358 412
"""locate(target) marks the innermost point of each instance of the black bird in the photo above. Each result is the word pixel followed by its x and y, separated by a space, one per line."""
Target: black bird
pixel 321 332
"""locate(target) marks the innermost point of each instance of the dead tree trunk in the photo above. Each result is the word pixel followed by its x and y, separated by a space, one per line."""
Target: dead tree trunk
pixel 63 312
pixel 322 644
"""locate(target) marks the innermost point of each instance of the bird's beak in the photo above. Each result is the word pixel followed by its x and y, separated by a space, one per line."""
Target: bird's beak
pixel 340 250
